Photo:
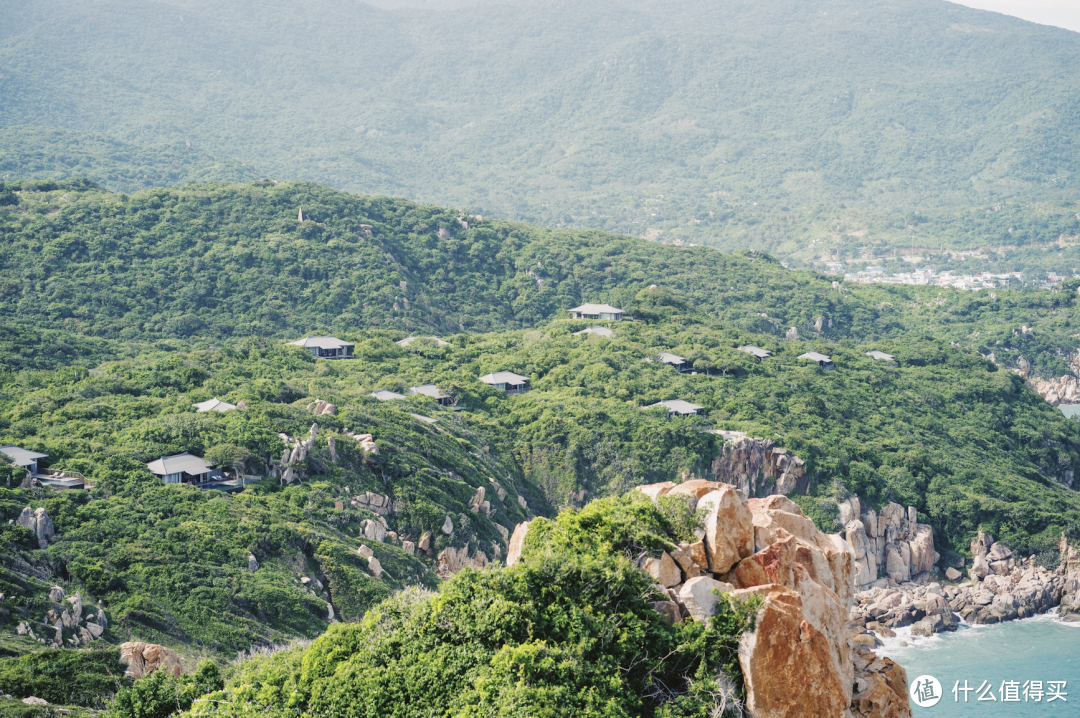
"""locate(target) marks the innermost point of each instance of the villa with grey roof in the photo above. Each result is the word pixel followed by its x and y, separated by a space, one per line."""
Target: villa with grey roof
pixel 880 356
pixel 434 340
pixel 214 404
pixel 23 457
pixel 823 361
pixel 432 391
pixel 508 381
pixel 675 360
pixel 676 407
pixel 387 395
pixel 604 312
pixel 756 352
pixel 184 468
pixel 326 347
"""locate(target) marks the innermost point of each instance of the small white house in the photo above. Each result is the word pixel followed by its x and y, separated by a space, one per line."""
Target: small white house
pixel 326 347
pixel 604 312
pixel 508 381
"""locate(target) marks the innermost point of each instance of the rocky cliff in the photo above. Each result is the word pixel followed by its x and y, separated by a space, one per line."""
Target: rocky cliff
pixel 892 544
pixel 798 660
pixel 757 467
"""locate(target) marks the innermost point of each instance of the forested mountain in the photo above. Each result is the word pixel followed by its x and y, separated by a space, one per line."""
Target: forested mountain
pixel 802 128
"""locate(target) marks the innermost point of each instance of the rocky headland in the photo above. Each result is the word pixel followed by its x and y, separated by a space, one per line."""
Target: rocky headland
pixel 799 659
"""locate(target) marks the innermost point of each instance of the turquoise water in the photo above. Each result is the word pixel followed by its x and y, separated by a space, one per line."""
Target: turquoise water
pixel 1070 410
pixel 1034 649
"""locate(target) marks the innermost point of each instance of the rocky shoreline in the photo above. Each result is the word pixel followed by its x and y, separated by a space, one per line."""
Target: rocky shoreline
pixel 998 588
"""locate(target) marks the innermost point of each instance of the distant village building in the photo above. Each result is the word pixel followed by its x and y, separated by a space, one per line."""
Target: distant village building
pixel 23 458
pixel 214 404
pixel 432 391
pixel 387 395
pixel 677 407
pixel 823 361
pixel 184 469
pixel 674 360
pixel 326 347
pixel 756 352
pixel 598 331
pixel 508 381
pixel 604 312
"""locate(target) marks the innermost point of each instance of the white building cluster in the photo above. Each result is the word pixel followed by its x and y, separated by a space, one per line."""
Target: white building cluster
pixel 927 276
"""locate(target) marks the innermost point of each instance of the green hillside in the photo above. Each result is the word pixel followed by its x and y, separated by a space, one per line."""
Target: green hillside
pixel 208 263
pixel 46 154
pixel 803 129
pixel 119 312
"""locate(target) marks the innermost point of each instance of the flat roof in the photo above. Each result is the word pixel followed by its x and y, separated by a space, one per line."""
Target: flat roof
pixel 428 390
pixel 214 404
pixel 321 343
pixel 597 309
pixel 669 358
pixel 880 356
pixel 180 463
pixel 504 377
pixel 756 351
pixel 677 406
pixel 387 395
pixel 21 456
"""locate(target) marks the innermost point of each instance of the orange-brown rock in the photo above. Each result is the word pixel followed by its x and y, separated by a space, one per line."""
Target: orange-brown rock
pixel 788 664
pixel 655 491
pixel 142 659
pixel 880 688
pixel 695 488
pixel 729 530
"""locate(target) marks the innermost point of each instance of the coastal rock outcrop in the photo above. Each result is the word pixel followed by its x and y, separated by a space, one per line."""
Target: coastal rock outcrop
pixel 892 543
pixel 880 687
pixel 798 660
pixel 758 467
pixel 142 659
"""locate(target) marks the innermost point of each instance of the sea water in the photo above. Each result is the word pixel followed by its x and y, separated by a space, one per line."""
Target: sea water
pixel 1042 648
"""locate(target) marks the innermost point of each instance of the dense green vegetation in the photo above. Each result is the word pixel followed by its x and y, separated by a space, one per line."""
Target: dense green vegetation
pixel 569 631
pixel 119 312
pixel 162 694
pixel 799 128
pixel 64 677
pixel 216 263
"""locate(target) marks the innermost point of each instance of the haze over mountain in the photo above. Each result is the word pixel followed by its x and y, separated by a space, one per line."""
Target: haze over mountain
pixel 802 128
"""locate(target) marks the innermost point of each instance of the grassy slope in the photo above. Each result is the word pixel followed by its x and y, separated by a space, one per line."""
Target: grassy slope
pixel 780 125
